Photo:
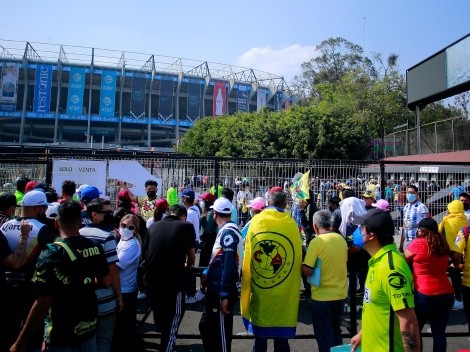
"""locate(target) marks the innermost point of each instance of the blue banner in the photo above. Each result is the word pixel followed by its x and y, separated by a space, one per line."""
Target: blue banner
pixel 138 96
pixel 108 93
pixel 165 106
pixel 195 92
pixel 242 98
pixel 76 88
pixel 42 89
pixel 277 101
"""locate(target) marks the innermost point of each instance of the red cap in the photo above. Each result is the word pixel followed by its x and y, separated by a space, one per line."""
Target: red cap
pixel 207 196
pixel 276 189
pixel 162 204
pixel 30 186
pixel 123 194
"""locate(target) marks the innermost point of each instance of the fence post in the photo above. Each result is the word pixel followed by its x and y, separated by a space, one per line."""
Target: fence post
pixel 382 179
pixel 48 167
pixel 216 177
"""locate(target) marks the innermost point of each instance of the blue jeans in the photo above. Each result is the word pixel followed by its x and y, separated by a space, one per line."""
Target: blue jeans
pixel 280 344
pixel 326 319
pixel 436 310
pixel 104 332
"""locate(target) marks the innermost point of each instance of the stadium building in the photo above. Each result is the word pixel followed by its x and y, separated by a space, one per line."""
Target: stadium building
pixel 77 96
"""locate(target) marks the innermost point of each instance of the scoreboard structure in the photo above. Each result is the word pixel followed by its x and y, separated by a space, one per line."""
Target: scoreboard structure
pixel 70 95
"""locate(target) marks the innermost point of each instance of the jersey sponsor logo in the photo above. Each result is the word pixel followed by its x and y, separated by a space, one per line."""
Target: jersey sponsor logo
pixel 272 259
pixel 402 295
pixel 396 280
pixel 228 240
pixel 367 295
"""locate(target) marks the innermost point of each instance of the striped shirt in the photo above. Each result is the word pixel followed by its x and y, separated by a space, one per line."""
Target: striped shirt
pixel 412 215
pixel 106 297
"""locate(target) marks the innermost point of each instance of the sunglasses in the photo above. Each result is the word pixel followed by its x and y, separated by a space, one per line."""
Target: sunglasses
pixel 130 227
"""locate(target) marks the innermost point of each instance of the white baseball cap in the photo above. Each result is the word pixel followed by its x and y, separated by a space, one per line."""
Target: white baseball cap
pixel 34 198
pixel 222 205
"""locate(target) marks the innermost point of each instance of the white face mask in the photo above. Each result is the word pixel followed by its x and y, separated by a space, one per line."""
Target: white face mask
pixel 126 234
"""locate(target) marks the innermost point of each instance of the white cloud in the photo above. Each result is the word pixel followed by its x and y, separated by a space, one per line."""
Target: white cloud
pixel 282 62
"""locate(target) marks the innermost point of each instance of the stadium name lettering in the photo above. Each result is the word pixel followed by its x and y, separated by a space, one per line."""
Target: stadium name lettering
pixel 86 169
pixel 42 89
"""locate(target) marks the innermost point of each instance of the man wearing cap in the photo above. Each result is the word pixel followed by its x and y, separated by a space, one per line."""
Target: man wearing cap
pixel 369 198
pixel 220 280
pixel 18 294
pixel 271 270
pixel 229 194
pixel 388 319
pixel 171 254
pixel 87 194
pixel 109 299
pixel 413 212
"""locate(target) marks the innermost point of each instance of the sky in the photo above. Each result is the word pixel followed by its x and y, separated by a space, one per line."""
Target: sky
pixel 272 36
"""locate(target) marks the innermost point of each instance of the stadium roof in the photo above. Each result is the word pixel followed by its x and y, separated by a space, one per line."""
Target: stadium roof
pixel 462 156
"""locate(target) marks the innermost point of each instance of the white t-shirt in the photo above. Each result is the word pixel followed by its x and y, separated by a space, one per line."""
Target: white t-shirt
pixel 128 253
pixel 193 218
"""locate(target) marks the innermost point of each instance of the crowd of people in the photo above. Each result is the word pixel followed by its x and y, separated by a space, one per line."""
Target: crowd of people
pixel 74 266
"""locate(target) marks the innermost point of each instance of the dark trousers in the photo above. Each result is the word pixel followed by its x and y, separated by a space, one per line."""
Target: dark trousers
pixel 456 279
pixel 168 311
pixel 124 338
pixel 280 344
pixel 216 328
pixel 326 319
pixel 436 310
pixel 466 304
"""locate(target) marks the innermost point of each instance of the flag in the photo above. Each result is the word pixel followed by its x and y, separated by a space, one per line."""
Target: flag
pixel 300 186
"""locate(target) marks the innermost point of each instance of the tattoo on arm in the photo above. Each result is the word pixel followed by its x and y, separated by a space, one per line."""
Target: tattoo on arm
pixel 409 341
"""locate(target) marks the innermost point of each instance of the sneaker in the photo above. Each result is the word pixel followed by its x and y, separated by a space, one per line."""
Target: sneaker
pixel 200 296
pixel 141 295
pixel 191 300
pixel 458 305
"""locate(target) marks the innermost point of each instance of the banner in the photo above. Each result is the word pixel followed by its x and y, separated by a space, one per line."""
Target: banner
pixel 83 172
pixel 260 99
pixel 165 106
pixel 277 101
pixel 9 86
pixel 138 96
pixel 76 89
pixel 219 99
pixel 108 93
pixel 132 172
pixel 194 104
pixel 42 89
pixel 300 186
pixel 242 98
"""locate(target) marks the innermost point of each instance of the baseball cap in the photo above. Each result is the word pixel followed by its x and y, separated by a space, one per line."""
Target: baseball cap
pixel 7 200
pixel 276 189
pixel 34 198
pixel 377 221
pixel 189 193
pixel 368 194
pixel 222 205
pixel 207 196
pixel 52 210
pixel 30 186
pixel 162 204
pixel 381 204
pixel 258 203
pixel 123 194
pixel 88 193
pixel 429 223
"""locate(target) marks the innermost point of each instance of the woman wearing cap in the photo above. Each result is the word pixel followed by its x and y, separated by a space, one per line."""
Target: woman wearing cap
pixel 428 256
pixel 128 250
pixel 255 207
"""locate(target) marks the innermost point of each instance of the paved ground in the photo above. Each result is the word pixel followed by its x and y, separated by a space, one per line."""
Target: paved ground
pixel 243 342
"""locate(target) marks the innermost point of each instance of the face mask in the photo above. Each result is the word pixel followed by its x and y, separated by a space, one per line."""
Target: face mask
pixel 411 197
pixel 202 204
pixel 331 209
pixel 126 234
pixel 358 239
pixel 151 194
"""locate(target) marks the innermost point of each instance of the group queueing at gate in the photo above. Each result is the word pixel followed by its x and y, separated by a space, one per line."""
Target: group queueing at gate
pixel 73 267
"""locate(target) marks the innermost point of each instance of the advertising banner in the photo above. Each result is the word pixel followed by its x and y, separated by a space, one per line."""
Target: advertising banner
pixel 277 101
pixel 194 104
pixel 83 172
pixel 42 89
pixel 260 99
pixel 9 86
pixel 165 106
pixel 242 98
pixel 76 89
pixel 219 99
pixel 108 93
pixel 138 96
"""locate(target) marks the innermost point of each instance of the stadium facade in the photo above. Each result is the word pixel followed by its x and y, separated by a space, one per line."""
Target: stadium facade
pixel 70 95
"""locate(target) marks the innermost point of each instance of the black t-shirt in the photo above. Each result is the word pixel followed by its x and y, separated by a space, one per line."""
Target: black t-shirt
pixel 168 243
pixel 5 251
pixel 68 273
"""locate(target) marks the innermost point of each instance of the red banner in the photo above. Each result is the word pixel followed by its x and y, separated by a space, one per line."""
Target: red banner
pixel 219 99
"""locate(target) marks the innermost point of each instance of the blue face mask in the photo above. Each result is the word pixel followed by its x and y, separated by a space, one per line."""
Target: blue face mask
pixel 411 197
pixel 358 239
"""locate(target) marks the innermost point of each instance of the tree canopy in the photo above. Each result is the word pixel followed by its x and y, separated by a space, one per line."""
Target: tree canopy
pixel 345 100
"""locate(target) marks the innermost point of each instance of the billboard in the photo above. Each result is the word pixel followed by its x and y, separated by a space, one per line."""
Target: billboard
pixel 242 98
pixel 9 86
pixel 108 93
pixel 76 89
pixel 194 104
pixel 165 107
pixel 138 96
pixel 42 89
pixel 219 99
pixel 260 98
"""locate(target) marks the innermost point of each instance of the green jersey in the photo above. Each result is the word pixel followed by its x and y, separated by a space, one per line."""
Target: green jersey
pixel 389 288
